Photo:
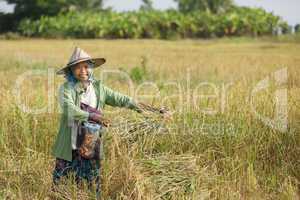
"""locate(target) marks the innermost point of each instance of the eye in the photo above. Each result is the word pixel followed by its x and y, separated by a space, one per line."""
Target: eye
pixel 75 68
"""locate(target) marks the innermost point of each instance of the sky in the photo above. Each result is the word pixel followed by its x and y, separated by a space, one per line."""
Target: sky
pixel 289 10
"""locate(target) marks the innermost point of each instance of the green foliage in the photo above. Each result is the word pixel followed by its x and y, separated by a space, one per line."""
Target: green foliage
pixel 297 28
pixel 147 5
pixel 139 73
pixel 154 24
pixel 34 9
pixel 37 8
pixel 285 28
pixel 7 22
pixel 213 6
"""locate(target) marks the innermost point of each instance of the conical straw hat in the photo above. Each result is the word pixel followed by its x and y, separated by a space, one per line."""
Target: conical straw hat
pixel 79 56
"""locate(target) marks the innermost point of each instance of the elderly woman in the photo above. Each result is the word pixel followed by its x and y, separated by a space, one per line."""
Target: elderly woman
pixel 80 89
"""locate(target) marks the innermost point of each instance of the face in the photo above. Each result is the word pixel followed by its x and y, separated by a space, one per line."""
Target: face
pixel 80 71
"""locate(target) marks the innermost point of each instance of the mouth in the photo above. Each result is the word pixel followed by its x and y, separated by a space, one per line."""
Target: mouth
pixel 83 77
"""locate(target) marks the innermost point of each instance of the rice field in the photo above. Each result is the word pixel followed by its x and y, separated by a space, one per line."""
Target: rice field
pixel 235 131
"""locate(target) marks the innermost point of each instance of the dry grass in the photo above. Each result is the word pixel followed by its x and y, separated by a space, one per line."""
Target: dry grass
pixel 228 155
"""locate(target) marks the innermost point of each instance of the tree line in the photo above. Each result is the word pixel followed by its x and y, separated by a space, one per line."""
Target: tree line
pixel 88 19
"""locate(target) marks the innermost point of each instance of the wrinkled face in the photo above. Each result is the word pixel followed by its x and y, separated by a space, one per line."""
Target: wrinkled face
pixel 80 71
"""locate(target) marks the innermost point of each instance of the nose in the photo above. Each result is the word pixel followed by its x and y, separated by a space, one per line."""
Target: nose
pixel 83 70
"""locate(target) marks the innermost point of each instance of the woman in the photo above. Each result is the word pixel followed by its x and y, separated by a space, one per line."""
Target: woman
pixel 82 89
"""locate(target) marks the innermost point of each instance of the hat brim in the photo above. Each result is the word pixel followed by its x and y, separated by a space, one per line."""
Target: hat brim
pixel 97 63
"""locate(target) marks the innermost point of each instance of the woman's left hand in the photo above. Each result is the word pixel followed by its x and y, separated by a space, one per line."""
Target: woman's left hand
pixel 166 114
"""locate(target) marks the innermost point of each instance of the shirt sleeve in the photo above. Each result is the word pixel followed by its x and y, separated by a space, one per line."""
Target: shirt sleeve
pixel 67 104
pixel 117 99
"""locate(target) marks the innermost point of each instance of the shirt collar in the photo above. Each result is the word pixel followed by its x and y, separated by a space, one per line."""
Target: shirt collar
pixel 79 87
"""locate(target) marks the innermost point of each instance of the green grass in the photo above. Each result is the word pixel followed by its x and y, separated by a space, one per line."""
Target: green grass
pixel 228 155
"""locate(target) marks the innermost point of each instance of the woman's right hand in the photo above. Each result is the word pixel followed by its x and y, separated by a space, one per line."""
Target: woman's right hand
pixel 99 119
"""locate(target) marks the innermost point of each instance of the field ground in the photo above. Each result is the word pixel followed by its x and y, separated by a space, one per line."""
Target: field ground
pixel 214 148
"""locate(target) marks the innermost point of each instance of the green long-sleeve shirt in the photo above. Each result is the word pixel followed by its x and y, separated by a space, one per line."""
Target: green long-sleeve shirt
pixel 69 99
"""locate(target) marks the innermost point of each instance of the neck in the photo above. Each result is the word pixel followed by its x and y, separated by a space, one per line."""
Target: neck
pixel 85 84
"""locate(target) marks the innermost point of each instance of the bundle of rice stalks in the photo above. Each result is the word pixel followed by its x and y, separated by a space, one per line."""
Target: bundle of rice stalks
pixel 172 175
pixel 131 127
